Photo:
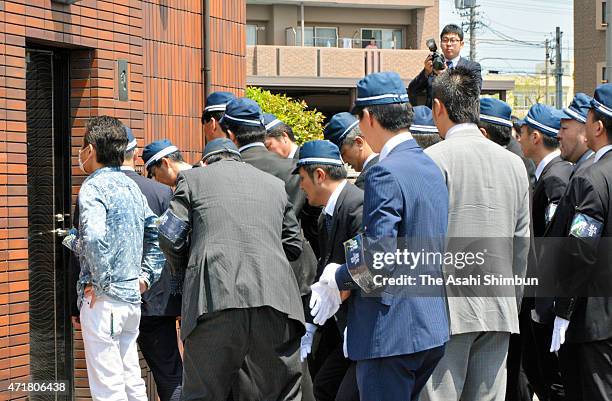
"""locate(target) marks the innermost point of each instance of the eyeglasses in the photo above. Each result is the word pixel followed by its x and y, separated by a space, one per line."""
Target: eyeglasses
pixel 451 41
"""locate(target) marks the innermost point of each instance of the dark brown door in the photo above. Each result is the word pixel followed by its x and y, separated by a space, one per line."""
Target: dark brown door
pixel 48 135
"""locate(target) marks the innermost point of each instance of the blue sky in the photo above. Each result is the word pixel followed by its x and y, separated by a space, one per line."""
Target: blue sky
pixel 515 22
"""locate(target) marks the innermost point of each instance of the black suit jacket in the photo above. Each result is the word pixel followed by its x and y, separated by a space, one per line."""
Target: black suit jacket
pixel 582 265
pixel 360 181
pixel 421 84
pixel 549 189
pixel 258 156
pixel 163 298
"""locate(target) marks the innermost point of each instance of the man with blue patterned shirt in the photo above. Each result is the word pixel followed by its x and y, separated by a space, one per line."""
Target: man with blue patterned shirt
pixel 117 261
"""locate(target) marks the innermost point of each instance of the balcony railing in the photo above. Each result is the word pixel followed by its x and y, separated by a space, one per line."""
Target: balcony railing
pixel 331 62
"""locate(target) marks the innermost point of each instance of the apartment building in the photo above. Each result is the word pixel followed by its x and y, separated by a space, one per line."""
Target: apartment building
pixel 149 63
pixel 589 44
pixel 316 50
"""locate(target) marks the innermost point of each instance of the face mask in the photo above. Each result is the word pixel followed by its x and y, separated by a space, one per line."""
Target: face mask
pixel 81 162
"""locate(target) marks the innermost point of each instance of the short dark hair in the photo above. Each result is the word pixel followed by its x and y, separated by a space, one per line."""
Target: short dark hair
pixel 392 117
pixel 452 28
pixel 500 134
pixel 516 124
pixel 108 136
pixel 246 134
pixel 223 156
pixel 459 90
pixel 336 173
pixel 606 121
pixel 549 142
pixel 425 139
pixel 209 115
pixel 278 130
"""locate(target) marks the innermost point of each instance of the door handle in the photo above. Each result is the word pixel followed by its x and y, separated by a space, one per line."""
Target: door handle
pixel 60 232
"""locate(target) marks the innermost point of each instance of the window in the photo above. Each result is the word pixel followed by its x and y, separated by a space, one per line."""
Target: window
pixel 251 35
pixel 326 37
pixel 317 36
pixel 381 38
pixel 603 13
pixel 600 15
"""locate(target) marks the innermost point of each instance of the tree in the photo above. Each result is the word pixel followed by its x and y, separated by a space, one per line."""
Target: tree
pixel 307 125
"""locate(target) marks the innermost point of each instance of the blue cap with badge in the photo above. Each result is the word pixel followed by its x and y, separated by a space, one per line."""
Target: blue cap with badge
pixel 319 152
pixel 243 111
pixel 545 119
pixel 157 150
pixel 132 142
pixel 381 88
pixel 339 126
pixel 579 108
pixel 495 111
pixel 423 120
pixel 270 121
pixel 217 101
pixel 602 101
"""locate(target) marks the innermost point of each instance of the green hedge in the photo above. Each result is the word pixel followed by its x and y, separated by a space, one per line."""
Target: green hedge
pixel 307 125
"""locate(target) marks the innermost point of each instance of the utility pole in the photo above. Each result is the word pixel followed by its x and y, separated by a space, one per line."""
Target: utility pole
pixel 546 67
pixel 559 71
pixel 468 10
pixel 473 33
pixel 608 76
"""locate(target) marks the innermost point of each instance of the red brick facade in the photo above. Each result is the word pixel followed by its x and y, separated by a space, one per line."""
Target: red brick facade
pixel 162 40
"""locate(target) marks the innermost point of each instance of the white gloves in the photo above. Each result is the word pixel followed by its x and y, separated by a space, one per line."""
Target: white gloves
pixel 306 342
pixel 344 347
pixel 329 275
pixel 324 302
pixel 558 336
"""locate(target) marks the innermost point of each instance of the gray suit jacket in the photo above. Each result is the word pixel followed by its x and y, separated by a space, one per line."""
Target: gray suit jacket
pixel 242 233
pixel 488 198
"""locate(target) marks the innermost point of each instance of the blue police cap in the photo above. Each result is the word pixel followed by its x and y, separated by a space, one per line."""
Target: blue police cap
pixel 544 119
pixel 270 121
pixel 338 127
pixel 156 150
pixel 132 143
pixel 496 112
pixel 318 152
pixel 423 120
pixel 579 108
pixel 217 101
pixel 243 111
pixel 602 101
pixel 381 88
pixel 219 145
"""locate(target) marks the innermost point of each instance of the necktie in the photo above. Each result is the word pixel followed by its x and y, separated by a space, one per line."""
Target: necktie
pixel 328 223
pixel 449 64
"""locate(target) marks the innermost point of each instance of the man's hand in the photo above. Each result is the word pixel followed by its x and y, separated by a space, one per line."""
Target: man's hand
pixel 90 295
pixel 324 302
pixel 76 322
pixel 558 336
pixel 428 65
pixel 306 342
pixel 143 285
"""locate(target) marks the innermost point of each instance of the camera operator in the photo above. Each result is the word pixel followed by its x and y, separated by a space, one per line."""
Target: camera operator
pixel 451 40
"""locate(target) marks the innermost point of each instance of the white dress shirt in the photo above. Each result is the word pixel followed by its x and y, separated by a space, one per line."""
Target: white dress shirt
pixel 393 142
pixel 294 149
pixel 460 127
pixel 544 162
pixel 599 154
pixel 331 203
pixel 373 155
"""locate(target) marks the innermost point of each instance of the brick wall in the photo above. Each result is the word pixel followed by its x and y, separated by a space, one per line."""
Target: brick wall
pixel 162 42
pixel 589 45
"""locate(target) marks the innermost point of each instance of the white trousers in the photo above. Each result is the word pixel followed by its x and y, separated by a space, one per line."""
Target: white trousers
pixel 110 330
